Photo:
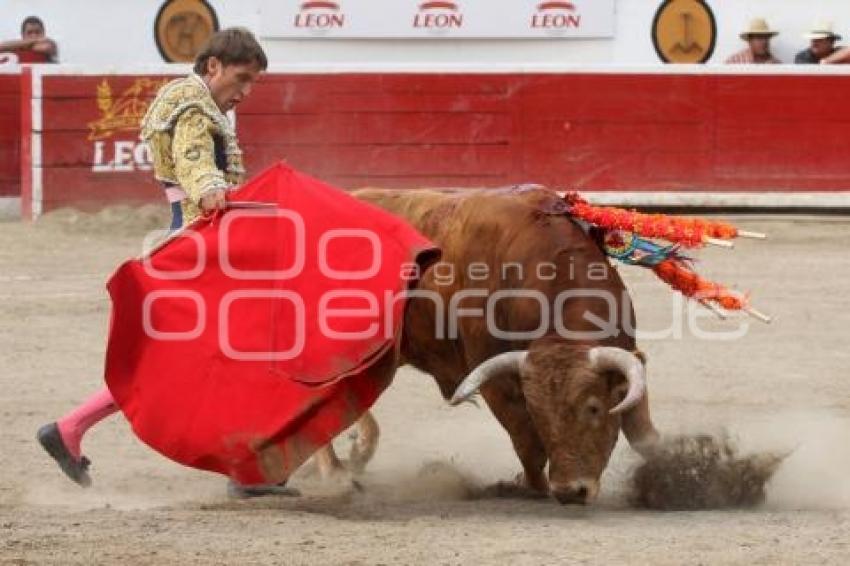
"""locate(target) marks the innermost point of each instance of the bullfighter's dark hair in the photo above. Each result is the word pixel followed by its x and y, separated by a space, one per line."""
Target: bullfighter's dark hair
pixel 31 20
pixel 231 46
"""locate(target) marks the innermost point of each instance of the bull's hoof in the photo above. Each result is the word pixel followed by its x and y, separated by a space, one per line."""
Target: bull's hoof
pixel 51 440
pixel 236 491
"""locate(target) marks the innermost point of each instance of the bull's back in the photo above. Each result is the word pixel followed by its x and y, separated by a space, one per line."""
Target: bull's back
pixel 418 207
pixel 469 221
pixel 496 229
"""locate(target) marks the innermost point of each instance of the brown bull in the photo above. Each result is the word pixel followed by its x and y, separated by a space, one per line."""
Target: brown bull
pixel 559 385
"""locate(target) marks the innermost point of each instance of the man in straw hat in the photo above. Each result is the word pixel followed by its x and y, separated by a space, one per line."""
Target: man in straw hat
pixel 757 36
pixel 822 38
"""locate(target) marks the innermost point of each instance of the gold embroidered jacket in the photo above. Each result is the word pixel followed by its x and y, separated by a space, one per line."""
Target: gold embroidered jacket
pixel 185 131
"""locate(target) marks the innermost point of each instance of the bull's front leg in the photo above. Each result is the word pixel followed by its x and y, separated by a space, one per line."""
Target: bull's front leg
pixel 328 464
pixel 508 406
pixel 363 447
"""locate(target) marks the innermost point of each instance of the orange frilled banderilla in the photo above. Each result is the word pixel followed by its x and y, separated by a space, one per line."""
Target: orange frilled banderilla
pixel 667 264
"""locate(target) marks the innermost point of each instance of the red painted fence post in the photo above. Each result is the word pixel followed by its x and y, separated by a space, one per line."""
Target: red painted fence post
pixel 26 145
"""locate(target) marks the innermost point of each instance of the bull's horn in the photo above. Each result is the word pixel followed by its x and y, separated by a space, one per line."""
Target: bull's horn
pixel 608 358
pixel 485 370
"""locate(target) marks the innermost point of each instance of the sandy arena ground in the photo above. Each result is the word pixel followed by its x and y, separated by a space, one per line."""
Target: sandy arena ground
pixel 784 386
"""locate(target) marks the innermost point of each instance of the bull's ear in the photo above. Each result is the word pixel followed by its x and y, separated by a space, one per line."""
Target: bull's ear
pixel 641 355
pixel 617 383
pixel 619 387
pixel 605 358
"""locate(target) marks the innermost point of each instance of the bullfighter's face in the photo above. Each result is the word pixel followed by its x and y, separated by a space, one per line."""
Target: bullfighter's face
pixel 570 404
pixel 230 84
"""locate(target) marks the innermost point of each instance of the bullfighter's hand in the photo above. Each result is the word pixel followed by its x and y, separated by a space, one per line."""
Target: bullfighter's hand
pixel 213 201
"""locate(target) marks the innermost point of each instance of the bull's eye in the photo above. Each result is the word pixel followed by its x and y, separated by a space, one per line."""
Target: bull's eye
pixel 594 409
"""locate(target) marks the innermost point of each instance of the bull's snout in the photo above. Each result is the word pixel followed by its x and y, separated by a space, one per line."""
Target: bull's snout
pixel 577 492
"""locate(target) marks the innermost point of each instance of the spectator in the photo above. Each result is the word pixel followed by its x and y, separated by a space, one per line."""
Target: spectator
pixel 839 56
pixel 34 46
pixel 757 52
pixel 822 44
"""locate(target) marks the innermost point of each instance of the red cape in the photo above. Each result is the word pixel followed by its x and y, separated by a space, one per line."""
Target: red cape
pixel 230 347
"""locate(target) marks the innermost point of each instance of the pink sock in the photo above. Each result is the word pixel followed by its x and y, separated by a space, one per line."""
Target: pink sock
pixel 74 425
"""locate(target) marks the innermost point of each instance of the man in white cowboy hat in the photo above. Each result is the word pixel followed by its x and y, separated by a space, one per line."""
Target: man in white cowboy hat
pixel 822 39
pixel 757 36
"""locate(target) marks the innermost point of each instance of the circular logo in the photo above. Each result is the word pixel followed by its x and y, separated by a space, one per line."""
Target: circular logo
pixel 684 31
pixel 182 27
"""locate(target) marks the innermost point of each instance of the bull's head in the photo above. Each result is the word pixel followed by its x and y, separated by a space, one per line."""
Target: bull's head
pixel 577 398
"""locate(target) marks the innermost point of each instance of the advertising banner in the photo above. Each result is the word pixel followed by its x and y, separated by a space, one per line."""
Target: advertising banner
pixel 423 19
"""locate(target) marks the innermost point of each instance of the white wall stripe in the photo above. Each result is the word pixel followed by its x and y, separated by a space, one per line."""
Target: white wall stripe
pixel 36 148
pixel 499 68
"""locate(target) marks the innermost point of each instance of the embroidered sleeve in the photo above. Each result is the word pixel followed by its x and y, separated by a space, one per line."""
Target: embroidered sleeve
pixel 193 151
pixel 159 145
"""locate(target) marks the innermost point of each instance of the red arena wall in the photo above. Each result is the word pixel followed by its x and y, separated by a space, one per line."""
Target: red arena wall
pixel 594 131
pixel 90 151
pixel 10 135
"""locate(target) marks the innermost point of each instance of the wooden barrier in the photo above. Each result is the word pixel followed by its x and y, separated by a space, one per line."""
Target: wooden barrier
pixel 692 129
pixel 10 135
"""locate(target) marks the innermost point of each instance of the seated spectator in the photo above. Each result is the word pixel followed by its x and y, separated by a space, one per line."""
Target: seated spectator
pixel 822 44
pixel 34 46
pixel 757 52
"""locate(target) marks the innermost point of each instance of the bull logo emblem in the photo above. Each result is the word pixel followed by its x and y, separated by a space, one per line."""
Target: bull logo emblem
pixel 181 27
pixel 684 31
